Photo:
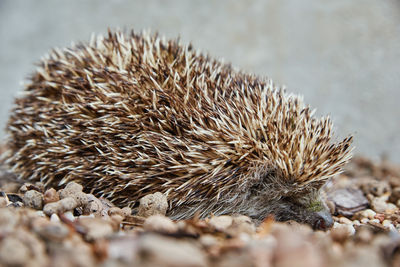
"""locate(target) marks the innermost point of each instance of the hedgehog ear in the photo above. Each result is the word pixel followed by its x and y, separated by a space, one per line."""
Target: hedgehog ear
pixel 254 178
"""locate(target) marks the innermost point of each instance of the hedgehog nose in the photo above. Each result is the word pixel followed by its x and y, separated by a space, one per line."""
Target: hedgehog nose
pixel 323 221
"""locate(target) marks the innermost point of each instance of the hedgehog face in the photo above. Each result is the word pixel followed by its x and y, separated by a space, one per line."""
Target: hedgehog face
pixel 272 193
pixel 305 210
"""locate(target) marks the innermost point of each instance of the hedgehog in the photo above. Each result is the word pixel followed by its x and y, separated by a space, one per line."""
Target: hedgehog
pixel 128 114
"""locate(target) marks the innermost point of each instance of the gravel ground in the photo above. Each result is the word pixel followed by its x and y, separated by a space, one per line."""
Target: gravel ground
pixel 44 227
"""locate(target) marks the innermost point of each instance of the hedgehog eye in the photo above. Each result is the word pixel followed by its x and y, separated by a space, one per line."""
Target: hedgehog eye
pixel 291 200
pixel 295 201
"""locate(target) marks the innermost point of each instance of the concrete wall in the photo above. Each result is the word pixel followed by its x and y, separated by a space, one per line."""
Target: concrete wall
pixel 342 55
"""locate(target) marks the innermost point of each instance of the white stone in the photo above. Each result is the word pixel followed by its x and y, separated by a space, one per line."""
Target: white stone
pixel 54 218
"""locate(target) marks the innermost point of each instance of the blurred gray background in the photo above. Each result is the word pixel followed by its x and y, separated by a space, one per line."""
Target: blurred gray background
pixel 342 55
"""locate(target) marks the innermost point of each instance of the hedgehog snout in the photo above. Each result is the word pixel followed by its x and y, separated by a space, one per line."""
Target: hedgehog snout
pixel 323 220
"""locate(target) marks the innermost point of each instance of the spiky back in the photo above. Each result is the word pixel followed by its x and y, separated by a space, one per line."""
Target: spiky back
pixel 131 114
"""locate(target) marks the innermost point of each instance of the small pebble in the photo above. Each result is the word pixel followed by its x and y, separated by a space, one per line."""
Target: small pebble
pixel 95 228
pixel 379 204
pixel 339 233
pixel 348 201
pixel 70 189
pixel 377 188
pixel 87 216
pixel 350 229
pixel 221 223
pixel 38 186
pixel 153 204
pixel 51 208
pixel 375 221
pixel 94 206
pixel 116 211
pixel 117 219
pixel 160 223
pixel 364 220
pixel 25 187
pixel 70 216
pixel 81 198
pixel 345 220
pixel 67 204
pixel 386 223
pixel 61 206
pixel 51 195
pixel 208 240
pixel 33 199
pixel 356 222
pixel 241 225
pixel 368 213
pixel 380 217
pixel 126 211
pixel 54 218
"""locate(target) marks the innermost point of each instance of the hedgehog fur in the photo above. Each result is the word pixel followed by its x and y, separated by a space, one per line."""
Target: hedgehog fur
pixel 130 114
